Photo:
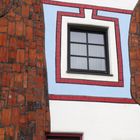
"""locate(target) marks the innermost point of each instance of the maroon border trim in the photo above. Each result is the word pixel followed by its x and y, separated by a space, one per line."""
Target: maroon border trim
pixel 65 135
pixel 91 99
pixel 87 6
pixel 120 82
pixel 87 98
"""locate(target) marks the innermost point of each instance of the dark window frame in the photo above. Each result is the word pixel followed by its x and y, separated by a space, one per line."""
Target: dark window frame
pixel 89 29
pixel 61 136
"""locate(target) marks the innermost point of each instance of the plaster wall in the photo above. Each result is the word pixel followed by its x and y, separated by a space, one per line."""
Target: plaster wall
pixel 97 121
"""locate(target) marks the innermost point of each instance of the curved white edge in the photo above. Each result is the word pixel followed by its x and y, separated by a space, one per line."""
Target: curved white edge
pixel 120 4
pixel 111 43
pixel 97 121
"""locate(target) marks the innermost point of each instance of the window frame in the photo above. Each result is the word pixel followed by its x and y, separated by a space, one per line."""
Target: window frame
pixel 89 29
pixel 64 135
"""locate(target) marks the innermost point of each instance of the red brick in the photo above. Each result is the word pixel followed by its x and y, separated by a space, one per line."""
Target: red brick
pixel 3 29
pixel 19 28
pixel 138 53
pixel 29 33
pixel 1 104
pixel 37 9
pixel 3 54
pixel 15 116
pixel 25 82
pixel 12 80
pixel 31 116
pixel 133 53
pixel 13 43
pixel 137 80
pixel 6 67
pixel 12 56
pixel 40 56
pixel 1 131
pixel 32 45
pixel 3 22
pixel 133 28
pixel 6 117
pixel 28 2
pixel 7 2
pixel 20 99
pixel 20 56
pixel 23 119
pixel 32 55
pixel 16 67
pixel 2 137
pixel 138 16
pixel 11 99
pixel 5 79
pixel 19 80
pixel 25 10
pixel 10 131
pixel 20 43
pixel 11 28
pixel 3 39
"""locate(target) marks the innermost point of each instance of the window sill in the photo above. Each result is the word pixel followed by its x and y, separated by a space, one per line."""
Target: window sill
pixel 90 73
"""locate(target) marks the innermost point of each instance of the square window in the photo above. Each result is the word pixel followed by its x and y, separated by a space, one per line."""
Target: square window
pixel 94 41
pixel 88 50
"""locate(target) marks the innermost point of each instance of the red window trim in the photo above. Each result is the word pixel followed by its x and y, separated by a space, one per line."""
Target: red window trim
pixel 87 6
pixel 79 135
pixel 59 79
pixel 91 99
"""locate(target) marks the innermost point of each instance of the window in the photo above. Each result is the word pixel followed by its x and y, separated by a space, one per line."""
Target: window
pixel 87 50
pixel 112 74
pixel 60 136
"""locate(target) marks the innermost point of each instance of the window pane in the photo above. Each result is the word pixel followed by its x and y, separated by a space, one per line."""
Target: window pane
pixel 96 38
pixel 78 37
pixel 78 63
pixel 78 49
pixel 97 64
pixel 96 51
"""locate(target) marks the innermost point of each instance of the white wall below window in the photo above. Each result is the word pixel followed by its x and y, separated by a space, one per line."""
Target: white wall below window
pixel 97 121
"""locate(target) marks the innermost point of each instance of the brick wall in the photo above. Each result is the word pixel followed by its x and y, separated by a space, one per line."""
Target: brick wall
pixel 24 110
pixel 134 47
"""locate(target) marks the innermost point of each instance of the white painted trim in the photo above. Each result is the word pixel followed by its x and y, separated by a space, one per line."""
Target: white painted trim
pixel 120 4
pixel 111 42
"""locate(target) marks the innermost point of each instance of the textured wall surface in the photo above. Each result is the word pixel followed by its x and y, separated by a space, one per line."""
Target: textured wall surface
pixel 24 110
pixel 134 47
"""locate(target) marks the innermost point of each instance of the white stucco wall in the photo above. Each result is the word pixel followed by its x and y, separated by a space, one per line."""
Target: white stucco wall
pixel 97 121
pixel 121 4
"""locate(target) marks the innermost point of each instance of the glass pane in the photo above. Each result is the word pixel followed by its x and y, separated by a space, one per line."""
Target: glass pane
pixel 78 63
pixel 96 38
pixel 97 64
pixel 78 37
pixel 78 49
pixel 96 51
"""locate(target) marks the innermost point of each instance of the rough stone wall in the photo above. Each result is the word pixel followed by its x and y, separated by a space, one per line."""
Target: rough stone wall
pixel 24 110
pixel 134 49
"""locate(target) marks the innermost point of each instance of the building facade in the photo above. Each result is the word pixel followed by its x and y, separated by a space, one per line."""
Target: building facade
pixel 69 70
